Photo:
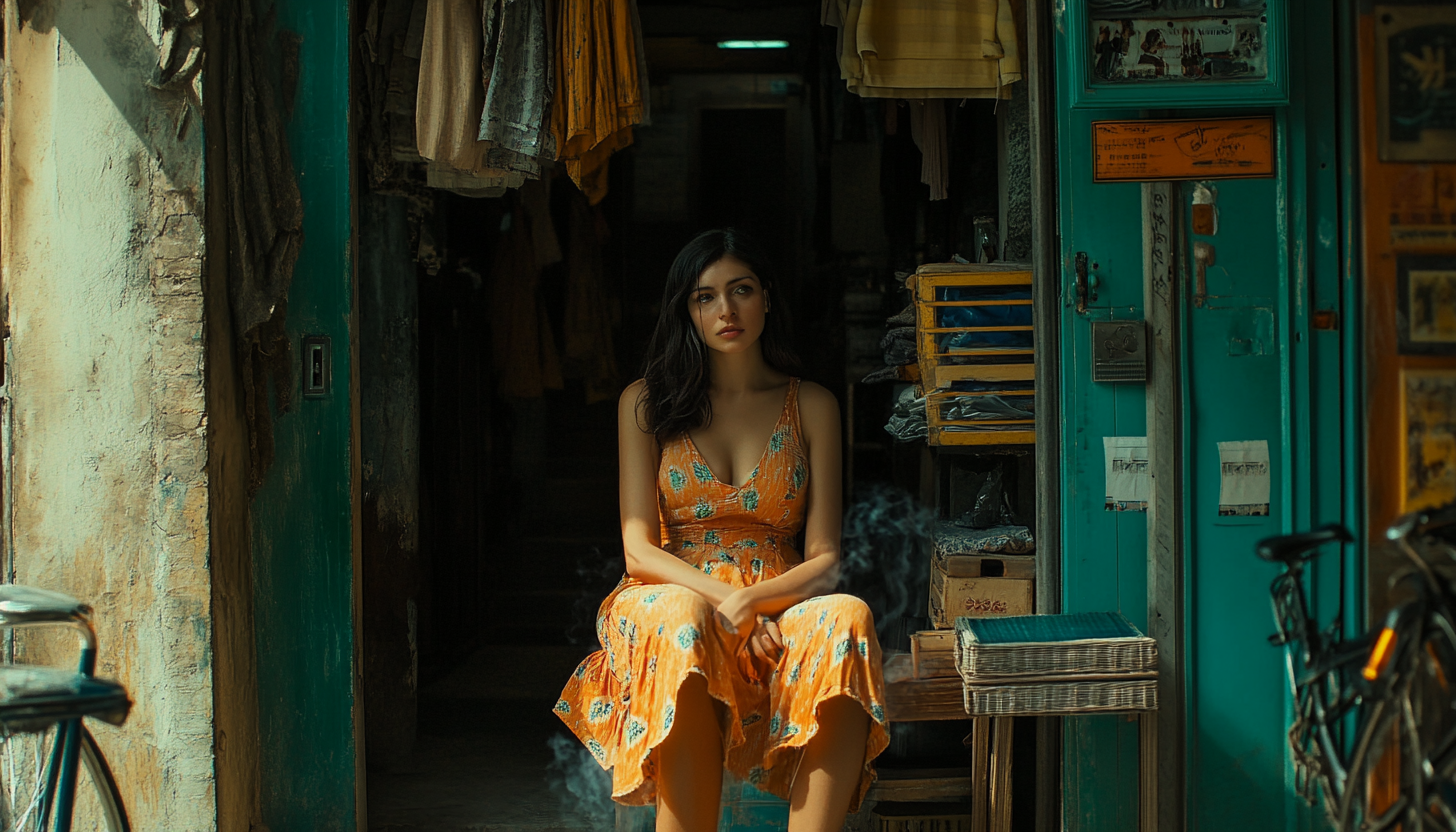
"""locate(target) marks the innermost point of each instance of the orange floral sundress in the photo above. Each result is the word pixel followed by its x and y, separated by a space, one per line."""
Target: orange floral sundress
pixel 620 701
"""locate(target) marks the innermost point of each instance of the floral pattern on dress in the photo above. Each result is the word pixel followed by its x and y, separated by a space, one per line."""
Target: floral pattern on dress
pixel 621 700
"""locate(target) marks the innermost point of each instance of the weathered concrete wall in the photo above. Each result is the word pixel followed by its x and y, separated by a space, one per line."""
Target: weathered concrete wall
pixel 109 495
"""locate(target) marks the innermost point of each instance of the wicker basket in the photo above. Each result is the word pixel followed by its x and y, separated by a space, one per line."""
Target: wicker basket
pixel 923 817
pixel 1066 697
pixel 1044 647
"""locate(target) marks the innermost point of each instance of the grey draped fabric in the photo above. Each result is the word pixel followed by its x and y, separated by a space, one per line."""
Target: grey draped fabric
pixel 265 213
pixel 517 73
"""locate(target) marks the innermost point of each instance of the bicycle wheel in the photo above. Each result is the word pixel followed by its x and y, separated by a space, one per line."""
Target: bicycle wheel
pixel 1401 774
pixel 109 796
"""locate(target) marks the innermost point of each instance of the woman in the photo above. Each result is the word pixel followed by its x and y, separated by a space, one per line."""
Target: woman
pixel 720 646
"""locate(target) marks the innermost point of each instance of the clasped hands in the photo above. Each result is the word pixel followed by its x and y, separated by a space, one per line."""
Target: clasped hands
pixel 760 632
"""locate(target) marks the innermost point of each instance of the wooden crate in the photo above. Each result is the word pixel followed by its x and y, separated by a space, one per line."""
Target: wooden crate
pixel 976 597
pixel 908 699
pixel 940 368
pixel 933 654
pixel 988 566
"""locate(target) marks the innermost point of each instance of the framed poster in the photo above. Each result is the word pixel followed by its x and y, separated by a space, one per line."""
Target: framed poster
pixel 1425 316
pixel 1177 52
pixel 1428 455
pixel 1415 91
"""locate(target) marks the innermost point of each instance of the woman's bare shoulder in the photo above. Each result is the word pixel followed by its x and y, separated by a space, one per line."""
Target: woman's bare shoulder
pixel 817 404
pixel 632 403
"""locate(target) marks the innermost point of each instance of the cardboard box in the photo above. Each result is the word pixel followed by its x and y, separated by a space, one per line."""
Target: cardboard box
pixel 976 597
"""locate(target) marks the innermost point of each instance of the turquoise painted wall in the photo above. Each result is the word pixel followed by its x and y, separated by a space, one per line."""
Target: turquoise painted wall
pixel 1281 255
pixel 303 517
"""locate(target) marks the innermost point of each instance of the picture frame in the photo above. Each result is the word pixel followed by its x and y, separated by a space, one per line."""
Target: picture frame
pixel 1416 119
pixel 1428 452
pixel 1425 317
pixel 1161 35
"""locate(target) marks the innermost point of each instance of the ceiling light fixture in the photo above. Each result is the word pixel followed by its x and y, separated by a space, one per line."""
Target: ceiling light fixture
pixel 753 44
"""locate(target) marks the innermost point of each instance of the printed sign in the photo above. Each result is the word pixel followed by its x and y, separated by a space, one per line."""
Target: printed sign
pixel 1129 478
pixel 1244 478
pixel 1154 150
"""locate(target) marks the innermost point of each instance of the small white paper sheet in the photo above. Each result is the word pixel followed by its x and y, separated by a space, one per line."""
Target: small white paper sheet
pixel 1129 481
pixel 1244 478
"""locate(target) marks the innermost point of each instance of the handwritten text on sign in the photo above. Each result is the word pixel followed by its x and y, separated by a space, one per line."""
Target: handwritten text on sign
pixel 1148 151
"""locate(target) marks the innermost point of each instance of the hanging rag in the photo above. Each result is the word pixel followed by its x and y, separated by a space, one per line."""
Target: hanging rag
pixel 265 214
pixel 928 129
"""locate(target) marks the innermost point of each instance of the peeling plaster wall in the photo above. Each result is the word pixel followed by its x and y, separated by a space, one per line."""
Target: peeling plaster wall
pixel 109 494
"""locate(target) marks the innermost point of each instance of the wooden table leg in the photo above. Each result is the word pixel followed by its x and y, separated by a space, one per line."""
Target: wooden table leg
pixel 1001 775
pixel 980 773
pixel 1148 771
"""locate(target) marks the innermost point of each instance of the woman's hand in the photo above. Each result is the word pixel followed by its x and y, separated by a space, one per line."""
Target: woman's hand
pixel 766 644
pixel 736 613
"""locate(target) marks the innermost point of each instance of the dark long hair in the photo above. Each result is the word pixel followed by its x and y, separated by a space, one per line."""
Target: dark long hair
pixel 675 371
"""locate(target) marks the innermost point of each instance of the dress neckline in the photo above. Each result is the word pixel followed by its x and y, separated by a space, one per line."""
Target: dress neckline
pixel 752 475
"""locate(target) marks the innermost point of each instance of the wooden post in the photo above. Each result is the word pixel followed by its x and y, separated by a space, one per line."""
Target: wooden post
pixel 1047 311
pixel 1001 774
pixel 980 773
pixel 1162 782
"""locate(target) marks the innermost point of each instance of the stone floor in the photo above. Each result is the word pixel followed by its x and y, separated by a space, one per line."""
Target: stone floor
pixel 483 761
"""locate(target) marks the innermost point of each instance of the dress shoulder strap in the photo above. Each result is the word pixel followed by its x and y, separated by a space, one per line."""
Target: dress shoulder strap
pixel 791 407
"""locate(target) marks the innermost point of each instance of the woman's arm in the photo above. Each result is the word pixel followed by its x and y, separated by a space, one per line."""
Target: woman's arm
pixel 639 457
pixel 819 573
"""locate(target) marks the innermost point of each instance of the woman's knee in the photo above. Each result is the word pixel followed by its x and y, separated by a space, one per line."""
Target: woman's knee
pixel 851 611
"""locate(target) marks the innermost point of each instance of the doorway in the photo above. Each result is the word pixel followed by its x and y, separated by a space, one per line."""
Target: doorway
pixel 491 538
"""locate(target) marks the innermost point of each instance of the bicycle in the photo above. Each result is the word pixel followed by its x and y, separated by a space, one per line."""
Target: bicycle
pixel 35 699
pixel 1390 685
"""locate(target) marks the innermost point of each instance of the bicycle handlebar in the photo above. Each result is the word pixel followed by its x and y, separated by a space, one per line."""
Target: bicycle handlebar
pixel 1292 549
pixel 1419 523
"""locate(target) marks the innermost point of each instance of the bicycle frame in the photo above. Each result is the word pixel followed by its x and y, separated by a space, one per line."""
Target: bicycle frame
pixel 64 763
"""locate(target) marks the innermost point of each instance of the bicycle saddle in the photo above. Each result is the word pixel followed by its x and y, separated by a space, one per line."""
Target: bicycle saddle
pixel 21 605
pixel 1293 548
pixel 34 698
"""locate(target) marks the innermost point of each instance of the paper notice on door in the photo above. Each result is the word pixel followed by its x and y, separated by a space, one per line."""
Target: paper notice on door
pixel 1244 485
pixel 1129 483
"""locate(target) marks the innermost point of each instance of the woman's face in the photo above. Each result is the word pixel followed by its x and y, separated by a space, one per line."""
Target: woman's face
pixel 728 306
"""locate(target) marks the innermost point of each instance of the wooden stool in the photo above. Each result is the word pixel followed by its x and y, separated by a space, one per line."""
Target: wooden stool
pixel 991 769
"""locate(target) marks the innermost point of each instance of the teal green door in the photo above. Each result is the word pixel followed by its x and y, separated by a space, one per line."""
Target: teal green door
pixel 1253 370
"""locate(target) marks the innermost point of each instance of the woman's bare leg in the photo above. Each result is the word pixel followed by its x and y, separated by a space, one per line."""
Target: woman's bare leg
pixel 690 763
pixel 830 769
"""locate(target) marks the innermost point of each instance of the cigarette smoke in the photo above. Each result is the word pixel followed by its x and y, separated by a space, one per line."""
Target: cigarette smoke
pixel 596 575
pixel 885 551
pixel 582 787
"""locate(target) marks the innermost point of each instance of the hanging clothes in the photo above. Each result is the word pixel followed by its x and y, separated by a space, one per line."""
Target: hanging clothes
pixel 599 94
pixel 517 72
pixel 928 129
pixel 523 347
pixel 450 100
pixel 591 316
pixel 927 48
